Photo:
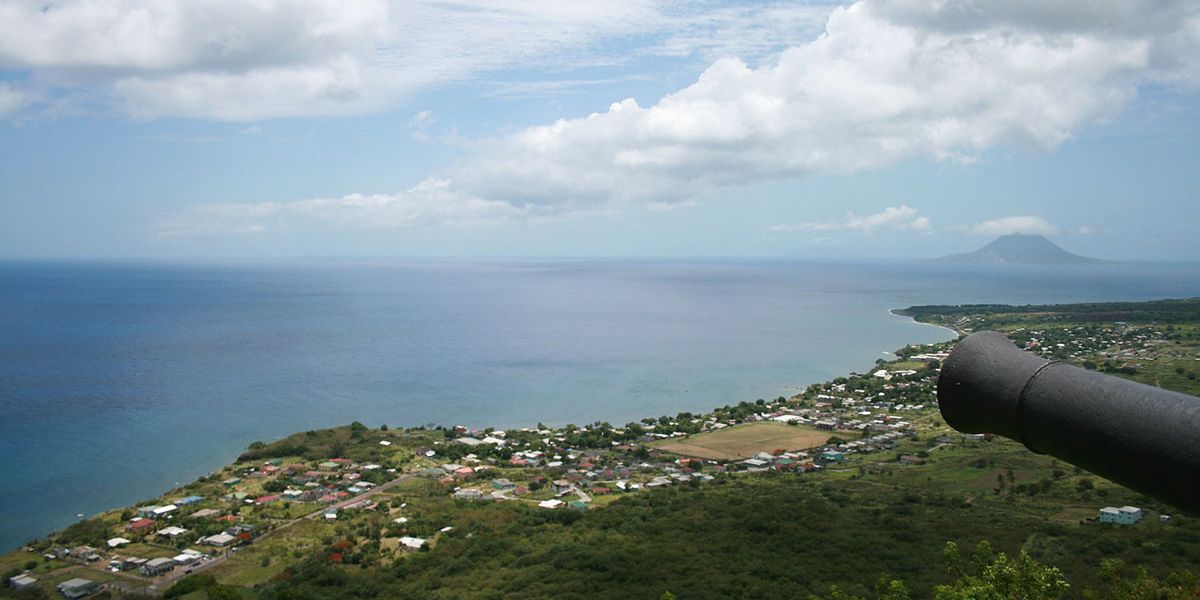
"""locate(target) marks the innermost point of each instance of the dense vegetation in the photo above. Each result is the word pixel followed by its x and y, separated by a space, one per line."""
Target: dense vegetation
pixel 1158 311
pixel 755 537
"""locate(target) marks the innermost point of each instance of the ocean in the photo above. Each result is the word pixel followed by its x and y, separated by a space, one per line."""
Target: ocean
pixel 119 380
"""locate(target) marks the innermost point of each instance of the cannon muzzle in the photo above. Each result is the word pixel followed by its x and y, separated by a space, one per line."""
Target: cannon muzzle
pixel 1137 435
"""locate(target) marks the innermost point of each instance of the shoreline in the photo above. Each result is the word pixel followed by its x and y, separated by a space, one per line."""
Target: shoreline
pixel 895 312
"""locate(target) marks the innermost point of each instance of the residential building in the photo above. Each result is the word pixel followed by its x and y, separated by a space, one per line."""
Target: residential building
pixel 1126 515
pixel 78 587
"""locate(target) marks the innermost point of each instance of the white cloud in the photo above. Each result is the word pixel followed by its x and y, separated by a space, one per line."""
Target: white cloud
pixel 1007 225
pixel 1085 230
pixel 753 32
pixel 892 217
pixel 430 202
pixel 419 124
pixel 13 99
pixel 246 61
pixel 886 82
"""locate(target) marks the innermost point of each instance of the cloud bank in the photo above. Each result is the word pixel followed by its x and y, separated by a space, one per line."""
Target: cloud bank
pixel 892 217
pixel 232 60
pixel 1009 225
pixel 887 81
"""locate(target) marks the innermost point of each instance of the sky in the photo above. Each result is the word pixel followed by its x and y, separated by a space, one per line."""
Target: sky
pixel 642 128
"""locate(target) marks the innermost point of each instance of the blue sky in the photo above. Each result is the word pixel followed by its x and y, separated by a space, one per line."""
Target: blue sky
pixel 901 128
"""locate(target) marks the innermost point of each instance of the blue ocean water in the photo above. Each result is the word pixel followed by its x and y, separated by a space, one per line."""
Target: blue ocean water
pixel 119 380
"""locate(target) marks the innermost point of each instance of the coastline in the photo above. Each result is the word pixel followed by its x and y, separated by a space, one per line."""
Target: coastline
pixel 789 390
pixel 899 312
pixel 227 455
pixel 423 484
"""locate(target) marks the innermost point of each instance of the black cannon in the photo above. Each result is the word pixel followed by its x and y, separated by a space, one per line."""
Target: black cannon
pixel 1137 435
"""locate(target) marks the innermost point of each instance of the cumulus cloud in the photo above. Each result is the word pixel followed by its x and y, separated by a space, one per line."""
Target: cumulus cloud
pixel 887 81
pixel 870 92
pixel 1008 225
pixel 892 217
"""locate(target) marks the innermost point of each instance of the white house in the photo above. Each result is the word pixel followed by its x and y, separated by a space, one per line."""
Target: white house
pixel 171 531
pixel 22 582
pixel 1126 515
pixel 163 511
pixel 412 543
pixel 219 540
pixel 551 504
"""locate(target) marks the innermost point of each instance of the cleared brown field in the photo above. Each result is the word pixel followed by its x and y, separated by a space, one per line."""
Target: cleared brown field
pixel 743 441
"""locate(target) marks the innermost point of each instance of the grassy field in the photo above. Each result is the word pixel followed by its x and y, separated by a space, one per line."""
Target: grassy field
pixel 258 563
pixel 743 441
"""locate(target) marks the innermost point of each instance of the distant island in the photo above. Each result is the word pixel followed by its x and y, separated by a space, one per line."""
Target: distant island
pixel 1020 249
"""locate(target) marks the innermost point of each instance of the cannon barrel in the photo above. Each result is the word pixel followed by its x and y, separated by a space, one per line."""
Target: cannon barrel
pixel 1137 435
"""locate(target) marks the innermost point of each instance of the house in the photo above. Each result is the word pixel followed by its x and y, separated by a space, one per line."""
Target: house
pixel 468 494
pixel 1126 515
pixel 269 498
pixel 132 563
pixel 503 484
pixel 22 582
pixel 412 543
pixel 162 511
pixel 551 504
pixel 188 500
pixel 755 463
pixel 232 481
pixel 141 524
pixel 117 542
pixel 147 512
pixel 205 513
pixel 910 459
pixel 156 566
pixel 185 558
pixel 78 587
pixel 833 456
pixel 219 540
pixel 171 532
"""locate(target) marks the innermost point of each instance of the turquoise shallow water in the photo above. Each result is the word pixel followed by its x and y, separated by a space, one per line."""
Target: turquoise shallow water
pixel 118 380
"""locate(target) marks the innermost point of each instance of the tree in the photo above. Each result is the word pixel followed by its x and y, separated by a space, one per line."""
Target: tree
pixel 1142 585
pixel 999 578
